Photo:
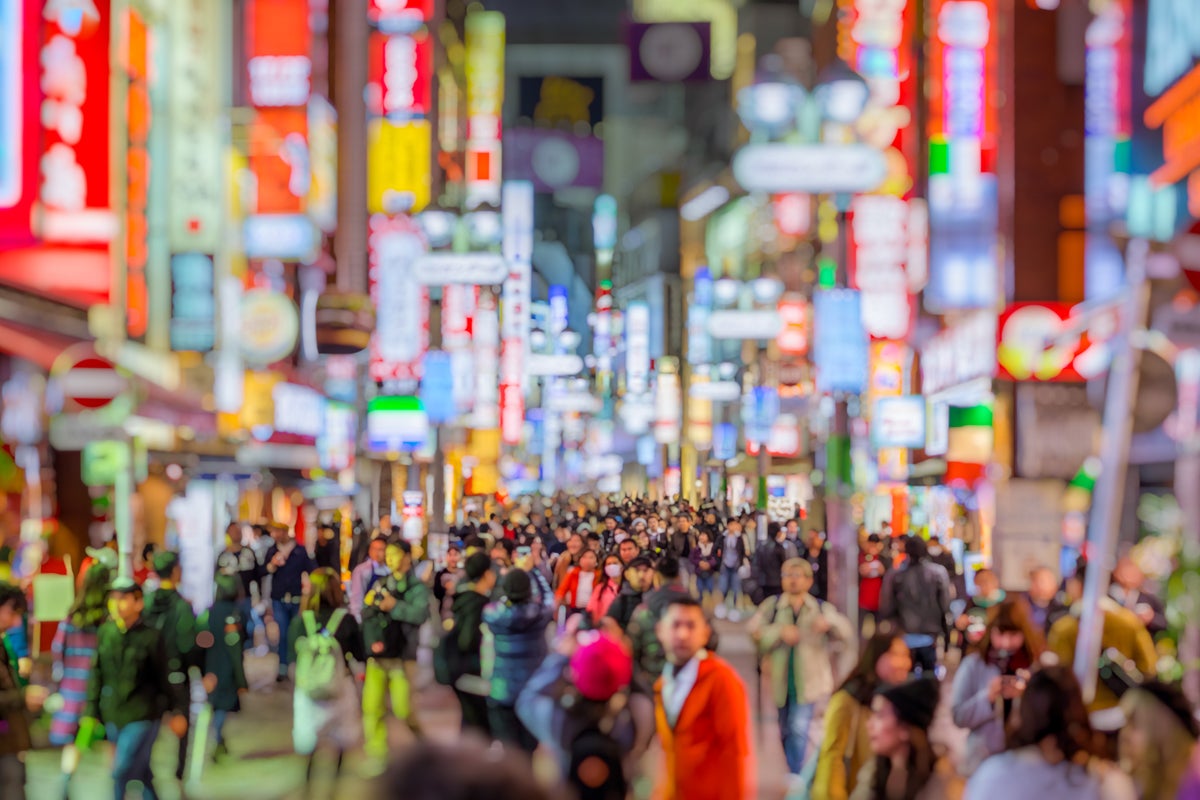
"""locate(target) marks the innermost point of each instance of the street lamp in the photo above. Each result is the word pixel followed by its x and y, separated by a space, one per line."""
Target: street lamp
pixel 841 93
pixel 771 103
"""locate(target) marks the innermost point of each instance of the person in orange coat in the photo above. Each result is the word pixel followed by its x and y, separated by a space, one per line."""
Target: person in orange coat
pixel 702 713
pixel 576 590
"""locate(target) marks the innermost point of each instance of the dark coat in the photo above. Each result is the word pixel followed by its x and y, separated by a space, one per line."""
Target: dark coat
pixel 14 722
pixel 623 607
pixel 768 564
pixel 519 638
pixel 223 658
pixel 820 570
pixel 348 634
pixel 467 611
pixel 172 616
pixel 129 680
pixel 399 629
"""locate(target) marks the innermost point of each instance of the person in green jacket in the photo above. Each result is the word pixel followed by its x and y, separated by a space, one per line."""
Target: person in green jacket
pixel 393 612
pixel 172 616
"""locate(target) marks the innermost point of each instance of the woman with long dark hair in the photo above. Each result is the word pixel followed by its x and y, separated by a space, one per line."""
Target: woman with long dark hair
pixel 1051 749
pixel 608 588
pixel 992 677
pixel 906 766
pixel 74 648
pixel 845 747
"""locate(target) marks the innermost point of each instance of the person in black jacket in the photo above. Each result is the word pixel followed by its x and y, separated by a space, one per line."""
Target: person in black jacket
pixel 517 622
pixel 242 562
pixel 467 611
pixel 817 557
pixel 172 616
pixel 224 671
pixel 129 690
pixel 768 563
pixel 1045 607
pixel 639 575
pixel 287 563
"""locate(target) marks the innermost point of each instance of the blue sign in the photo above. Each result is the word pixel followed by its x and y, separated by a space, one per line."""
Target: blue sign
pixel 193 303
pixel 841 349
pixel 724 441
pixel 559 309
pixel 760 408
pixel 437 388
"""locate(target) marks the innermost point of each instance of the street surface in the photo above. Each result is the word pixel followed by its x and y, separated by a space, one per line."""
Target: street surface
pixel 261 765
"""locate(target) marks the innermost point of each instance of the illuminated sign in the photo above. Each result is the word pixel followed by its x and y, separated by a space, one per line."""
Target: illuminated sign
pixel 485 100
pixel 399 16
pixel 879 250
pixel 721 16
pixel 290 236
pixel 398 166
pixel 18 118
pixel 396 425
pixel 400 76
pixel 75 122
pixel 1177 112
pixel 553 159
pixel 840 343
pixel 1030 347
pixel 270 326
pixel 194 146
pixel 193 303
pixel 813 168
pixel 299 410
pixel 516 296
pixel 637 348
pixel 322 188
pixel 669 52
pixel 959 354
pixel 899 422
pixel 137 45
pixel 668 404
pixel 401 306
pixel 337 441
pixel 1172 43
pixel 487 364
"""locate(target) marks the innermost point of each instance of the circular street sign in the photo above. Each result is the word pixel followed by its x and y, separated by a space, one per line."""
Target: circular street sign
pixel 270 326
pixel 86 381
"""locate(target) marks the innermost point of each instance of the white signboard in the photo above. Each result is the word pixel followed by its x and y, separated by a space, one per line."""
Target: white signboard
pixel 557 365
pixel 765 324
pixel 637 348
pixel 960 353
pixel 899 422
pixel 716 391
pixel 813 168
pixel 299 410
pixel 470 269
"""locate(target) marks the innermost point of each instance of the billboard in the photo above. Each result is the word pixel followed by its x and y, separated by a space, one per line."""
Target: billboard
pixel 18 119
pixel 401 334
pixel 840 342
pixel 554 159
pixel 485 39
pixel 400 74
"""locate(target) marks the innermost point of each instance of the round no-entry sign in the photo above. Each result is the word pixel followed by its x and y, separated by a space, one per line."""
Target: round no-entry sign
pixel 86 381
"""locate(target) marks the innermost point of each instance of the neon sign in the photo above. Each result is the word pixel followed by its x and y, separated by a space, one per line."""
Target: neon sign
pixel 879 251
pixel 1172 43
pixel 401 69
pixel 485 100
pixel 137 171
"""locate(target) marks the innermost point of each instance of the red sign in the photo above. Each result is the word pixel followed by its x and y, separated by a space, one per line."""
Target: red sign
pixel 1036 342
pixel 18 120
pixel 89 382
pixel 400 74
pixel 879 252
pixel 793 339
pixel 75 122
pixel 278 43
pixel 391 15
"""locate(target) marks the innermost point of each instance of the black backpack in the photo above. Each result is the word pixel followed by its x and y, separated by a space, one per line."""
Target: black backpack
pixel 596 771
pixel 448 660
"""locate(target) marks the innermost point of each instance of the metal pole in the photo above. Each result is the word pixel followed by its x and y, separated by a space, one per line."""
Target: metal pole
pixel 1104 523
pixel 839 525
pixel 764 457
pixel 122 513
pixel 350 78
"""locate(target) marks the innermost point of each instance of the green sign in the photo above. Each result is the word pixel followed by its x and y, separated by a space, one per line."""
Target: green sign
pixel 102 461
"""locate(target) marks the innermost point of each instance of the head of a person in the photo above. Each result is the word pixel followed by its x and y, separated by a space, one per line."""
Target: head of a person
pixel 816 539
pixel 705 537
pixel 683 630
pixel 166 566
pixel 531 529
pixel 562 532
pixel 1043 585
pixel 517 586
pixel 125 602
pixel 639 574
pixel 613 567
pixel 797 577
pixel 1052 716
pixel 280 534
pixel 776 532
pixel 1128 575
pixel 793 528
pixel 600 667
pixel 91 603
pixel 574 543
pixel 683 521
pixel 399 557
pixel 502 553
pixel 915 548
pixel 885 660
pixel 627 550
pixel 588 560
pixel 610 523
pixel 324 590
pixel 12 605
pixel 377 550
pixel 643 539
pixel 462 771
pixel 987 582
pixel 1156 744
pixel 1010 631
pixel 898 731
pixel 873 546
pixel 227 589
pixel 734 526
pixel 654 522
pixel 385 524
pixel 594 542
pixel 233 539
pixel 1073 585
pixel 479 573
pixel 151 548
pixel 453 554
pixel 667 569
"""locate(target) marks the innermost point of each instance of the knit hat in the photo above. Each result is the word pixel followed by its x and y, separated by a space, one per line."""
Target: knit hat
pixel 915 701
pixel 517 586
pixel 600 666
pixel 477 564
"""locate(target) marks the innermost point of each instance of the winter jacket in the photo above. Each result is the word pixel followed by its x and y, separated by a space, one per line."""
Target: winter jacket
pixel 362 579
pixel 971 709
pixel 14 721
pixel 568 590
pixel 1122 630
pixel 648 655
pixel 1044 617
pixel 918 597
pixel 223 657
pixel 602 598
pixel 845 747
pixel 623 607
pixel 812 656
pixel 518 639
pixel 562 567
pixel 943 784
pixel 1025 773
pixel 172 616
pixel 130 679
pixel 397 630
pixel 768 564
pixel 820 570
pixel 681 544
pixel 713 559
pixel 467 611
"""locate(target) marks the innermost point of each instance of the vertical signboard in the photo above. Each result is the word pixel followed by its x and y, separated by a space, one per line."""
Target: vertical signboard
pixel 400 74
pixel 193 302
pixel 878 258
pixel 485 101
pixel 194 148
pixel 637 349
pixel 136 48
pixel 963 130
pixel 18 119
pixel 515 306
pixel 487 364
pixel 840 343
pixel 401 306
pixel 459 306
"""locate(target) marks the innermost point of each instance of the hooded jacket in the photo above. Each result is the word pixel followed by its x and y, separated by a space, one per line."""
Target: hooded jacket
pixel 169 614
pixel 399 629
pixel 467 611
pixel 129 680
pixel 627 602
pixel 518 638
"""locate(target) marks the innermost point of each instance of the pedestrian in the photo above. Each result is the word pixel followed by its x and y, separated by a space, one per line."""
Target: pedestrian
pixel 539 560
pixel 568 559
pixel 575 592
pixel 872 566
pixel 461 771
pixel 649 657
pixel 768 563
pixel 172 616
pixel 321 640
pixel 798 634
pixel 974 617
pixel 16 701
pixel 846 746
pixel 917 598
pixel 1158 742
pixel 706 561
pixel 393 613
pixel 702 713
pixel 991 678
pixel 129 689
pixel 287 565
pixel 606 590
pixel 639 576
pixel 940 554
pixel 1051 750
pixel 1127 588
pixel 224 669
pixel 74 648
pixel 242 561
pixel 446 579
pixel 682 539
pixel 328 550
pixel 734 558
pixel 364 577
pixel 458 658
pixel 817 555
pixel 517 622
pixel 1045 607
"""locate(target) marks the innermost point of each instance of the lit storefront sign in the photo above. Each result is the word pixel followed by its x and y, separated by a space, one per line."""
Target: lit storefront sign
pixel 322 189
pixel 668 403
pixel 400 77
pixel 879 252
pixel 138 110
pixel 487 364
pixel 401 305
pixel 516 296
pixel 962 130
pixel 637 349
pixel 270 327
pixel 339 432
pixel 18 119
pixel 299 410
pixel 398 158
pixel 485 99
pixel 399 16
pixel 1030 347
pixel 899 422
pixel 840 342
pixel 699 310
pixel 194 147
pixel 784 439
pixel 960 354
pixel 193 303
pixel 1172 43
pixel 396 425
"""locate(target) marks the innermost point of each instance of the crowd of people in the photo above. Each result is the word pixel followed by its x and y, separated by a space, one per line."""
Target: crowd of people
pixel 588 636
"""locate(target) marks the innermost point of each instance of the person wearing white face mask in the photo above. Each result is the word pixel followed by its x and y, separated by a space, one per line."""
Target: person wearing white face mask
pixel 607 588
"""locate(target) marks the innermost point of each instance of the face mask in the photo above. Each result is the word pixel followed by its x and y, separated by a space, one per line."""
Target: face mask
pixel 613 570
pixel 620 537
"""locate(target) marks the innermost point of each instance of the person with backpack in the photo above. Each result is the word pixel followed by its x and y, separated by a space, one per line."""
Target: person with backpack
pixel 172 616
pixel 320 641
pixel 393 613
pixel 648 656
pixel 517 624
pixel 796 632
pixel 579 704
pixel 917 598
pixel 224 670
pixel 639 576
pixel 457 661
pixel 768 563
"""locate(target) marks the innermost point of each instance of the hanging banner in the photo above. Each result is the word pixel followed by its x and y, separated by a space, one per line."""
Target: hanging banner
pixel 136 49
pixel 516 297
pixel 401 305
pixel 840 343
pixel 18 119
pixel 485 101
pixel 400 75
pixel 398 166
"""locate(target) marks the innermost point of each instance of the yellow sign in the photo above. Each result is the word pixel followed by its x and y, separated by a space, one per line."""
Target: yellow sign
pixel 258 405
pixel 398 166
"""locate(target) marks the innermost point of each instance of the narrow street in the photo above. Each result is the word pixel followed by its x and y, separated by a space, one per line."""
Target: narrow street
pixel 261 765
